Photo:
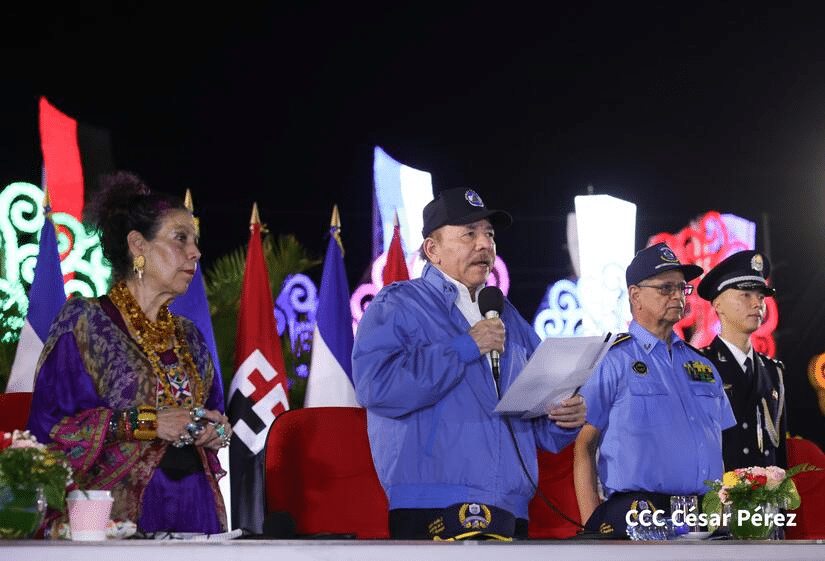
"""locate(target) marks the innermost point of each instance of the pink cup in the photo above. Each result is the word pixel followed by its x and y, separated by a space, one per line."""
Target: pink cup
pixel 89 514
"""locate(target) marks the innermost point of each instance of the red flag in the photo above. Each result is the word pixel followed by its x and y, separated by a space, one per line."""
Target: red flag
pixel 61 157
pixel 258 392
pixel 395 269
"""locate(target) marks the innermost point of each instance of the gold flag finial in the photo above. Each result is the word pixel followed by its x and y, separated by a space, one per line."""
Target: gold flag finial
pixel 47 202
pixel 336 218
pixel 335 227
pixel 187 202
pixel 255 219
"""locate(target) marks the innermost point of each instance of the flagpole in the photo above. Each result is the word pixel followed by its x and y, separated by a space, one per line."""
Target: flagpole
pixel 330 371
pixel 46 296
pixel 258 393
pixel 395 267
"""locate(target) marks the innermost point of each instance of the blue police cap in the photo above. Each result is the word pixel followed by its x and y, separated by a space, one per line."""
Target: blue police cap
pixel 460 206
pixel 657 259
pixel 745 270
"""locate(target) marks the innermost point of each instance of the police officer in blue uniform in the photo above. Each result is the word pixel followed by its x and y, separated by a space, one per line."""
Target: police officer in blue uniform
pixel 655 406
pixel 754 382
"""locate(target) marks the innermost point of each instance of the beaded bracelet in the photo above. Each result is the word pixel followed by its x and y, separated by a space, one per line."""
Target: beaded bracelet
pixel 113 433
pixel 135 423
pixel 146 423
pixel 126 426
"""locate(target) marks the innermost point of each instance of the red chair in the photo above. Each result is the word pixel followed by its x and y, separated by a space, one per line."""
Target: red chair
pixel 14 410
pixel 556 483
pixel 810 516
pixel 319 469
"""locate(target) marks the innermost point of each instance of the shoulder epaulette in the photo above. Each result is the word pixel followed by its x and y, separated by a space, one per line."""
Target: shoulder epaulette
pixel 779 364
pixel 694 348
pixel 704 351
pixel 621 338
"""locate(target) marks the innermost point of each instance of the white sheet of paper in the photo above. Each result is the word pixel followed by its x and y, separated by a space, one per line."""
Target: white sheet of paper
pixel 558 367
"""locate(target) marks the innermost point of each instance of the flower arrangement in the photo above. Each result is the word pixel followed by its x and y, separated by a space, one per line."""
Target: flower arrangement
pixel 749 497
pixel 24 462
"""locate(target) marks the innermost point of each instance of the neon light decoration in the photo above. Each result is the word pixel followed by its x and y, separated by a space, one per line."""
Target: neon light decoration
pixel 560 312
pixel 402 189
pixel 816 377
pixel 405 190
pixel 706 241
pixel 295 309
pixel 81 255
pixel 601 238
pixel 364 294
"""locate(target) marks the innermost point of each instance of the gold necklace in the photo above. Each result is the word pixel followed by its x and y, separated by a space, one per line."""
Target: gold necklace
pixel 155 338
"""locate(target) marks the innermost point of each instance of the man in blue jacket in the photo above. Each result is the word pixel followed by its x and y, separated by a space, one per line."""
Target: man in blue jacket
pixel 421 367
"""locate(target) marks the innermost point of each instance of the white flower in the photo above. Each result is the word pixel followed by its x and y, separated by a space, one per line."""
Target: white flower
pixel 24 439
pixel 724 496
pixel 776 475
pixel 757 470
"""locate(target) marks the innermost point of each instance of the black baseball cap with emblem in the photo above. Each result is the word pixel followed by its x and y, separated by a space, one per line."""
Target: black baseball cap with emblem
pixel 460 206
pixel 657 259
pixel 745 270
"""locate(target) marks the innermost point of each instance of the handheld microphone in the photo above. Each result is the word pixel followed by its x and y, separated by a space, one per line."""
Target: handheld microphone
pixel 491 304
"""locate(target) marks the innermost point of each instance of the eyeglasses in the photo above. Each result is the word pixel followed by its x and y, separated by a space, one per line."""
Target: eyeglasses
pixel 670 288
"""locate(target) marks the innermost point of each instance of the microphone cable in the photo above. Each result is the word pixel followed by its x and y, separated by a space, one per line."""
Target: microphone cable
pixel 533 483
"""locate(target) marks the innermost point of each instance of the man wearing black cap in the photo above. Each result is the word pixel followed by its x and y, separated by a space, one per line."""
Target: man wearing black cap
pixel 656 407
pixel 754 382
pixel 421 367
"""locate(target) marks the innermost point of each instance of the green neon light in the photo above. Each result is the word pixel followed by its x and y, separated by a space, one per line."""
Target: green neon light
pixel 21 218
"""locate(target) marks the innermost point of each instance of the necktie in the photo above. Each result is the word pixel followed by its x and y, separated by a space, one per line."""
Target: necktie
pixel 749 369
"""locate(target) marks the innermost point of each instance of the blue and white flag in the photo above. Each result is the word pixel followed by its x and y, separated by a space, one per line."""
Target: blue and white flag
pixel 330 372
pixel 193 305
pixel 46 297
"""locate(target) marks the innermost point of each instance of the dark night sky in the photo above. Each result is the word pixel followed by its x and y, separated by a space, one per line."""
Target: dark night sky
pixel 709 109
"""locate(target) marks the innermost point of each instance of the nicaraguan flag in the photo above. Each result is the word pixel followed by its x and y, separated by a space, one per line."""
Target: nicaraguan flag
pixel 46 297
pixel 193 305
pixel 330 372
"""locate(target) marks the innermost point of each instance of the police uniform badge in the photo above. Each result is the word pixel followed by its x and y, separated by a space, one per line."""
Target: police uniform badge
pixel 699 371
pixel 476 521
pixel 637 507
pixel 668 255
pixel 640 367
pixel 474 516
pixel 473 198
pixel 757 263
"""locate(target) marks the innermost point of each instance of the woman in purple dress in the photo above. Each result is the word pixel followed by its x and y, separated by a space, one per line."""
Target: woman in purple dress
pixel 127 390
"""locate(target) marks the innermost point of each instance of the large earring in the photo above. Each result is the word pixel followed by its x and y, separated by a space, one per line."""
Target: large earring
pixel 138 263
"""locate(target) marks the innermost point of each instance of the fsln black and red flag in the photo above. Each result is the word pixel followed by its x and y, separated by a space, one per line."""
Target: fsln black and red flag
pixel 258 392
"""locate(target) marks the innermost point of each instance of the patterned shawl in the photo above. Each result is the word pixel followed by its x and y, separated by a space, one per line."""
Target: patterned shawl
pixel 123 378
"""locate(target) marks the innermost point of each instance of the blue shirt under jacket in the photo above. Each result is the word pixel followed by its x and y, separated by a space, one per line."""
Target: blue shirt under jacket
pixel 430 397
pixel 660 417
